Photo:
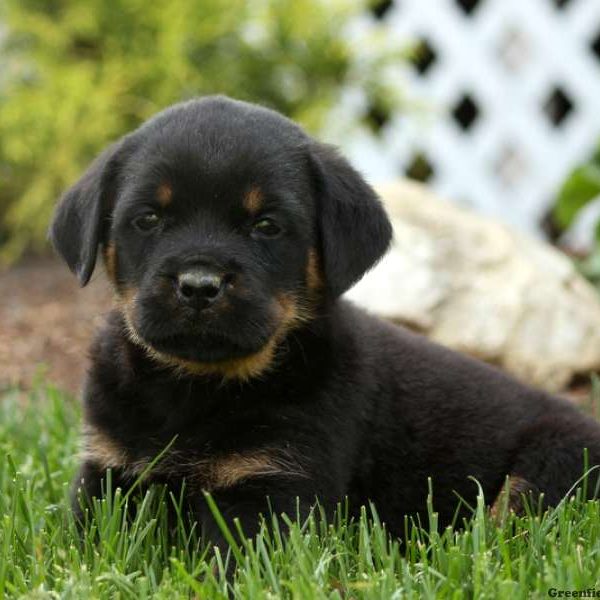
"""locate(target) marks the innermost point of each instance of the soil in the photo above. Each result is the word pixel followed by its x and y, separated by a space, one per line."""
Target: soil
pixel 47 322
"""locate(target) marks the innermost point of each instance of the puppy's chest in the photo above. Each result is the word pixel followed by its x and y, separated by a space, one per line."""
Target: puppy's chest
pixel 191 459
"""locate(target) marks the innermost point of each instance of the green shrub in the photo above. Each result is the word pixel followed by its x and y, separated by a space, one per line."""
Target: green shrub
pixel 581 187
pixel 76 74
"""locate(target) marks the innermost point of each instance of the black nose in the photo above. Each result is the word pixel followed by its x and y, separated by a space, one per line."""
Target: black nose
pixel 199 287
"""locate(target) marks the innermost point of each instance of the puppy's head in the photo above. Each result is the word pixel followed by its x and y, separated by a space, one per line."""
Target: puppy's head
pixel 222 226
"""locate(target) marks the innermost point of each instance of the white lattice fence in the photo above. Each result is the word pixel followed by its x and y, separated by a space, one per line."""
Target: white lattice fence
pixel 510 91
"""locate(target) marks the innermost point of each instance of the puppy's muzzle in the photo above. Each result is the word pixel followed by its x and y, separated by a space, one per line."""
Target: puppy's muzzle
pixel 200 287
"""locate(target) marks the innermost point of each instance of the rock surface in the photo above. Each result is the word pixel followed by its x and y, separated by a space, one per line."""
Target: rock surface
pixel 474 285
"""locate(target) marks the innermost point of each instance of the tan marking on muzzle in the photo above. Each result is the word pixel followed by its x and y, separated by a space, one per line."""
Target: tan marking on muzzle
pixel 110 261
pixel 291 315
pixel 314 279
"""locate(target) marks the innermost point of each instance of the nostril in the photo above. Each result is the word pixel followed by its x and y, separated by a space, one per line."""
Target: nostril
pixel 210 290
pixel 186 290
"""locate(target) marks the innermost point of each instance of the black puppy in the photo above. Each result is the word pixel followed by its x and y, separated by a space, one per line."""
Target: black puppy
pixel 229 236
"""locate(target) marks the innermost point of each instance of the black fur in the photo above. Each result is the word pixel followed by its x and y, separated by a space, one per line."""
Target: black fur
pixel 81 219
pixel 348 405
pixel 345 203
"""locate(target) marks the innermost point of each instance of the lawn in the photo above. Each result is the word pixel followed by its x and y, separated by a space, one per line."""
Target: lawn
pixel 41 555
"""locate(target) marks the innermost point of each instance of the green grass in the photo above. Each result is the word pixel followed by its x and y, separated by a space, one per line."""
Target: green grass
pixel 41 557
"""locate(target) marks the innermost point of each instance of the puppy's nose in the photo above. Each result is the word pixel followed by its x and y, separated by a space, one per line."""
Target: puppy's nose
pixel 199 287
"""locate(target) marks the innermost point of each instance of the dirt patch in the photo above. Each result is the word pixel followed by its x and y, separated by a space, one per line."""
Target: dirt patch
pixel 47 322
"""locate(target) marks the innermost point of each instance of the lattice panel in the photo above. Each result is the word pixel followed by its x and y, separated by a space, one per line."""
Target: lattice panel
pixel 508 97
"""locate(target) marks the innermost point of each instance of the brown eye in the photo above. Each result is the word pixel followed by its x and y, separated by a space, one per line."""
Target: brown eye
pixel 146 222
pixel 266 228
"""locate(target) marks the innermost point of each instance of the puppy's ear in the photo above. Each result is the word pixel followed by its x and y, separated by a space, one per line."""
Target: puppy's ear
pixel 354 229
pixel 82 215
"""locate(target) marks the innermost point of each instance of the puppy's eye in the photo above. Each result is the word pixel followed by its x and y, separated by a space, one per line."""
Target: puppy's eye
pixel 146 222
pixel 266 228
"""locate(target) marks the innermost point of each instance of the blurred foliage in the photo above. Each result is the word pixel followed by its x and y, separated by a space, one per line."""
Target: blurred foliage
pixel 76 74
pixel 581 187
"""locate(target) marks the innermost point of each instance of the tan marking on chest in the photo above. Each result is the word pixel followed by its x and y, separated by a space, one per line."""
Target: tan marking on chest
pixel 212 473
pixel 102 450
pixel 227 471
pixel 99 448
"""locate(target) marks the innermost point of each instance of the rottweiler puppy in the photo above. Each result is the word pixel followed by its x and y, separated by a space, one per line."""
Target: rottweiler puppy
pixel 229 236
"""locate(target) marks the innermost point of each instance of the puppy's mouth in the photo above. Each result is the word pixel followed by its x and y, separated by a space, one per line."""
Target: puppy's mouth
pixel 247 352
pixel 203 347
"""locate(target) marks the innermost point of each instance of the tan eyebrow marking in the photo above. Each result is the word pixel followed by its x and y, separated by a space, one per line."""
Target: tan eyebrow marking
pixel 253 200
pixel 164 194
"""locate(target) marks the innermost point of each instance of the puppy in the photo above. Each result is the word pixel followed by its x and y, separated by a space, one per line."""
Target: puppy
pixel 229 236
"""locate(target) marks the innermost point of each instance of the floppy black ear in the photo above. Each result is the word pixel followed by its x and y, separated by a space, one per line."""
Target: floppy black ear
pixel 81 217
pixel 354 229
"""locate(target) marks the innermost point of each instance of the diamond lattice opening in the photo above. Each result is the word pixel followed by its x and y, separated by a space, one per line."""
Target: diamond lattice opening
pixel 380 8
pixel 595 46
pixel 468 6
pixel 419 168
pixel 560 4
pixel 465 112
pixel 558 106
pixel 377 116
pixel 424 56
pixel 514 49
pixel 511 166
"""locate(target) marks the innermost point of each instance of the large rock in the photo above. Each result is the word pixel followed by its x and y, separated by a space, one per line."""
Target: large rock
pixel 474 285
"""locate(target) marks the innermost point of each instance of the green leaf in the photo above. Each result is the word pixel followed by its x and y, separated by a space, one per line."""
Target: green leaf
pixel 580 188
